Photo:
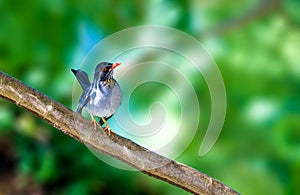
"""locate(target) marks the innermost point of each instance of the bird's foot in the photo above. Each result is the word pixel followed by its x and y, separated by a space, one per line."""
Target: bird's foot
pixel 94 122
pixel 107 128
pixel 109 131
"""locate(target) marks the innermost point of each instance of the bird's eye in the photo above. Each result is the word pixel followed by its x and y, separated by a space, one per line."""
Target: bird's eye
pixel 104 69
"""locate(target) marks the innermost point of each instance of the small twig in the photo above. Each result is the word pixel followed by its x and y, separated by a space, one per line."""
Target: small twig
pixel 116 146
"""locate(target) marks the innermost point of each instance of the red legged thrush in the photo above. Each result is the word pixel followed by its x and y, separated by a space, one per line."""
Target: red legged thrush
pixel 103 96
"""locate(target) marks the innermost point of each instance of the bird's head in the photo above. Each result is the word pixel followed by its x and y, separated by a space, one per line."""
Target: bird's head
pixel 104 71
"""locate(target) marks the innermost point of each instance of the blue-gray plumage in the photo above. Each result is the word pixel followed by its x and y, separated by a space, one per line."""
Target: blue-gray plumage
pixel 103 96
pixel 82 78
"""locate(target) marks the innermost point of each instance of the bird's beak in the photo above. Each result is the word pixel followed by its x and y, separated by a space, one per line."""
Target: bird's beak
pixel 115 65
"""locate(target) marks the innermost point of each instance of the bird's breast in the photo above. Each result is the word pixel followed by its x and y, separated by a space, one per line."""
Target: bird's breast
pixel 102 102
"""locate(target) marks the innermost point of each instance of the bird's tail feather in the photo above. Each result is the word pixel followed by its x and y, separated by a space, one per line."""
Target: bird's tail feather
pixel 101 122
pixel 82 78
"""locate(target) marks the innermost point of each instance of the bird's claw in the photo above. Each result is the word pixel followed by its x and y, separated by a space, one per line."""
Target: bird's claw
pixel 107 128
pixel 109 131
pixel 94 122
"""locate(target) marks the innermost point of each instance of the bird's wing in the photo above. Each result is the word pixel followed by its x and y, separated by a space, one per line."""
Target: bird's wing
pixel 82 78
pixel 84 99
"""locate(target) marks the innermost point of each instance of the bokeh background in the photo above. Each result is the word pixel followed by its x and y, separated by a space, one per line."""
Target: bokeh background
pixel 256 45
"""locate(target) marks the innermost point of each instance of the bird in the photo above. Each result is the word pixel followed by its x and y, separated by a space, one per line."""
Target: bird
pixel 101 97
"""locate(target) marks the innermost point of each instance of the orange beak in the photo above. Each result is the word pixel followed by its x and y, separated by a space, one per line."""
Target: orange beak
pixel 115 65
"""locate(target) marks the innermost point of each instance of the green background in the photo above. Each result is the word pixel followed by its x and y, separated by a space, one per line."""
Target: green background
pixel 256 45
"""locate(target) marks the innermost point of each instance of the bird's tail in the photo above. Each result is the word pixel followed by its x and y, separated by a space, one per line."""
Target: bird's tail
pixel 101 122
pixel 82 78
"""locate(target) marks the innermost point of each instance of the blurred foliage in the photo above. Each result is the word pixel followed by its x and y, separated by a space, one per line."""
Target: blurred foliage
pixel 255 44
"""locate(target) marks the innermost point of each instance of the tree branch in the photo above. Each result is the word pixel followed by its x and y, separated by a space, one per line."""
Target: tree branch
pixel 78 127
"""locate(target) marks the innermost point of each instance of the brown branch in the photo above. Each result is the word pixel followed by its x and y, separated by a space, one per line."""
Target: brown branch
pixel 116 146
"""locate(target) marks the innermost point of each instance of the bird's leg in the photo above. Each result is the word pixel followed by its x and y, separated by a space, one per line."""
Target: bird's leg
pixel 107 128
pixel 94 121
